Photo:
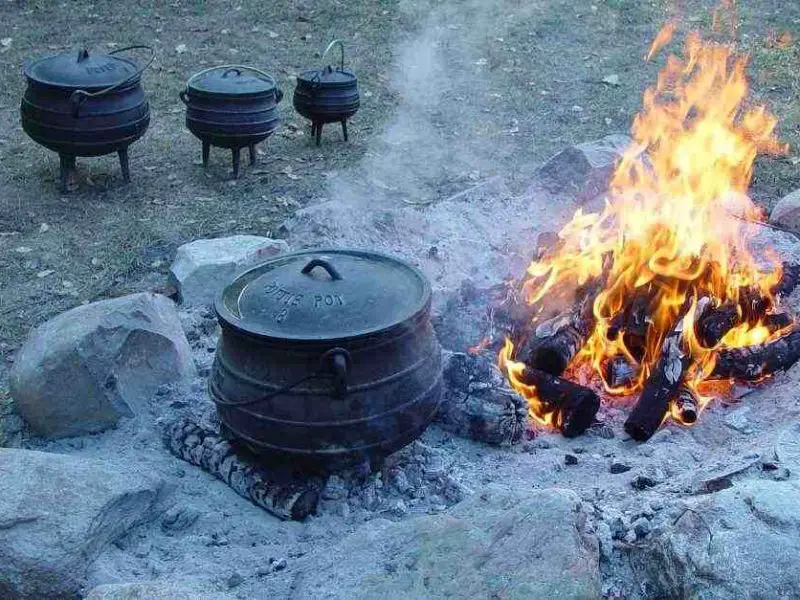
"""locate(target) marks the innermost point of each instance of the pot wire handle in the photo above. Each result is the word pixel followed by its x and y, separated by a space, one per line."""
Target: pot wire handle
pixel 78 97
pixel 334 364
pixel 321 262
pixel 328 49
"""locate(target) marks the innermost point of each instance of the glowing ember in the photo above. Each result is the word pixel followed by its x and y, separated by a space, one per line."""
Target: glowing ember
pixel 675 228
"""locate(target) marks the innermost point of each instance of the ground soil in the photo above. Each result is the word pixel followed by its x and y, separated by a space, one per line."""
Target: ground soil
pixel 529 81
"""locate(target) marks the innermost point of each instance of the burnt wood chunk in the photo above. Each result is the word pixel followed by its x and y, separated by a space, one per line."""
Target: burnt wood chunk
pixel 284 496
pixel 715 322
pixel 576 405
pixel 661 386
pixel 777 321
pixel 619 372
pixel 754 362
pixel 478 403
pixel 789 280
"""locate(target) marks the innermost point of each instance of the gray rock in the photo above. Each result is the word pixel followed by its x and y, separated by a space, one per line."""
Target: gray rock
pixel 83 370
pixel 641 527
pixel 159 590
pixel 203 268
pixel 743 539
pixel 499 543
pixel 583 171
pixel 786 212
pixel 606 539
pixel 738 420
pixel 618 467
pixel 57 513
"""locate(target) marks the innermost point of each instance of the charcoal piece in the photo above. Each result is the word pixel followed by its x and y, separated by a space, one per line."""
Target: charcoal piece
pixel 686 405
pixel 661 386
pixel 478 403
pixel 789 280
pixel 284 496
pixel 576 405
pixel 620 372
pixel 776 322
pixel 754 362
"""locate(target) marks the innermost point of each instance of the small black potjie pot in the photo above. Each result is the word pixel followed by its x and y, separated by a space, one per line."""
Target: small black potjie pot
pixel 86 105
pixel 231 107
pixel 327 358
pixel 327 95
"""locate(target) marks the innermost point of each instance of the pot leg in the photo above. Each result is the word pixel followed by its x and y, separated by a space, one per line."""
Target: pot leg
pixel 66 171
pixel 344 128
pixel 252 155
pixel 123 163
pixel 236 160
pixel 319 133
pixel 206 153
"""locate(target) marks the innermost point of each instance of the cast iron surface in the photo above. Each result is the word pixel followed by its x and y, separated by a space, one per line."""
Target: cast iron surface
pixel 327 95
pixel 85 105
pixel 327 392
pixel 231 106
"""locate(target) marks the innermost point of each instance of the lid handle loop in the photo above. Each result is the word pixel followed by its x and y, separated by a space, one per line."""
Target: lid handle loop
pixel 232 70
pixel 328 49
pixel 321 262
pixel 78 97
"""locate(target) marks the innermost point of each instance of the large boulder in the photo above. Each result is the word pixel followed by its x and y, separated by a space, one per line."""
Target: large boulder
pixel 740 543
pixel 505 544
pixel 159 590
pixel 85 369
pixel 203 268
pixel 583 171
pixel 786 212
pixel 57 513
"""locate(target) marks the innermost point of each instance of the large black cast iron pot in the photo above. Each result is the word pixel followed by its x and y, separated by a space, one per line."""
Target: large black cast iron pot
pixel 86 105
pixel 327 95
pixel 231 107
pixel 327 358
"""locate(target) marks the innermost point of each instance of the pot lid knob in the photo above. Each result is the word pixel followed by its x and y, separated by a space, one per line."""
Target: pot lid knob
pixel 83 55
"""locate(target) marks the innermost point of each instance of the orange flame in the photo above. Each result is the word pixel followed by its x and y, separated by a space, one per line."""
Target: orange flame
pixel 674 220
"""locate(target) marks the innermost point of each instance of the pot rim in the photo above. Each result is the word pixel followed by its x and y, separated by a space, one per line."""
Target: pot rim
pixel 227 319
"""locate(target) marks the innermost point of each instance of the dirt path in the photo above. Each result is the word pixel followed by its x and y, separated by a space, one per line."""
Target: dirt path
pixel 451 93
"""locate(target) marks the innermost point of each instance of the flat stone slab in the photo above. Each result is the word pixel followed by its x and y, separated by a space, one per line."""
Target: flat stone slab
pixel 58 513
pixel 500 543
pixel 203 268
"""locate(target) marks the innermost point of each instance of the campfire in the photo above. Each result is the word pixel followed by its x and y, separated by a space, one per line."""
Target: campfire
pixel 659 298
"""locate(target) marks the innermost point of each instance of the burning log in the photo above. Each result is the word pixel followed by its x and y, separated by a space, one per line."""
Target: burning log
pixel 686 405
pixel 662 385
pixel 576 405
pixel 754 362
pixel 633 324
pixel 284 497
pixel 553 354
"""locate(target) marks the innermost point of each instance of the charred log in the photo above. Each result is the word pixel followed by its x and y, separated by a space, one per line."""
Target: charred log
pixel 662 385
pixel 715 322
pixel 754 362
pixel 632 323
pixel 777 321
pixel 576 405
pixel 478 403
pixel 283 496
pixel 686 405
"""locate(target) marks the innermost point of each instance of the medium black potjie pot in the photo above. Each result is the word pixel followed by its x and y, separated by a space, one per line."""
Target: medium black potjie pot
pixel 327 95
pixel 327 358
pixel 86 105
pixel 232 107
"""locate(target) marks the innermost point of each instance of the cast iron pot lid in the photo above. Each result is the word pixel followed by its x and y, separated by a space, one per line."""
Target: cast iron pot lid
pixel 328 77
pixel 322 295
pixel 231 81
pixel 81 70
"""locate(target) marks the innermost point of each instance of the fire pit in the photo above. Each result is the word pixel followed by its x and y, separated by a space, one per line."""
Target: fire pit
pixel 660 296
